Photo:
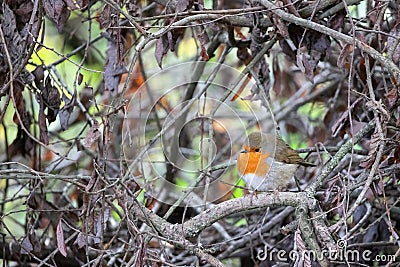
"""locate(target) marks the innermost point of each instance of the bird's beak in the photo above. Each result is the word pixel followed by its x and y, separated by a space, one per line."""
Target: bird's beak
pixel 245 149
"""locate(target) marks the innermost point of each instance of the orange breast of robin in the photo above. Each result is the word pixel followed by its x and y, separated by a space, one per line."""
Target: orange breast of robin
pixel 253 162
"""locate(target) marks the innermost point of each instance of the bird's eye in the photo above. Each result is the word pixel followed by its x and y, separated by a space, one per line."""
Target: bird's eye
pixel 257 150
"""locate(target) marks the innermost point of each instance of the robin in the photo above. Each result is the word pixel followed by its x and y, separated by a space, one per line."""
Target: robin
pixel 267 162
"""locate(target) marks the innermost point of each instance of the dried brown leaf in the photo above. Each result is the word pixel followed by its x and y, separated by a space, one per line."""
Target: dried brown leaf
pixel 35 242
pixel 379 108
pixel 92 135
pixel 49 100
pixel 57 11
pixel 66 111
pixel 20 105
pixel 174 37
pixel 22 144
pixel 52 100
pixel 203 53
pixel 72 4
pixel 300 61
pixel 114 67
pixel 373 149
pixel 23 12
pixel 342 60
pixel 393 41
pixel 150 201
pixel 38 73
pixel 80 78
pixel 15 43
pixel 244 55
pixel 97 237
pixel 85 96
pixel 161 49
pixel 43 125
pixel 105 17
pixel 85 203
pixel 309 65
pixel 318 46
pixel 337 21
pixel 81 240
pixel 304 261
pixel 204 40
pixel 392 97
pixel 91 182
pixel 60 239
pixel 43 221
pixel 378 187
pixel 311 46
pixel 101 223
pixel 182 5
pixel 281 26
pixel 26 245
pixel 295 36
pixel 81 3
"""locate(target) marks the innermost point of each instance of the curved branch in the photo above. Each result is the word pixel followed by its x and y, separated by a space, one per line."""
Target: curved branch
pixel 195 225
pixel 203 220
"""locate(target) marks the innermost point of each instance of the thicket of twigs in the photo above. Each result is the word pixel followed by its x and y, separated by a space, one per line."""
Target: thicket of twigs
pixel 115 156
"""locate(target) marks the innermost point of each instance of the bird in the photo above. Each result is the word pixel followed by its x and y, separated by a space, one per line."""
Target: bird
pixel 267 162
